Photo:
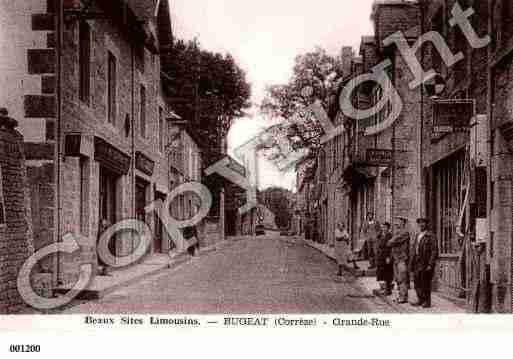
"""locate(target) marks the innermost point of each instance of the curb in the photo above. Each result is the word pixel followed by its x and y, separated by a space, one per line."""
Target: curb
pixel 397 307
pixel 95 294
pixel 353 271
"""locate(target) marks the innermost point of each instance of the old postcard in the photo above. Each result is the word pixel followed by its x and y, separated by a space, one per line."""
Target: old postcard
pixel 272 165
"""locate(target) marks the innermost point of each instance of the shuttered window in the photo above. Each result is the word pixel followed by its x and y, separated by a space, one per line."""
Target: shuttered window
pixel 143 111
pixel 111 88
pixel 85 62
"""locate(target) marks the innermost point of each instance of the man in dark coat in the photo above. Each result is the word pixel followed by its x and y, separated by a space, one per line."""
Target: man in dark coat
pixel 423 261
pixel 385 268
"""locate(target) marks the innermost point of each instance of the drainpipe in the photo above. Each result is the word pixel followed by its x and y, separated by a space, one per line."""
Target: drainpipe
pixel 420 191
pixel 489 181
pixel 132 125
pixel 58 138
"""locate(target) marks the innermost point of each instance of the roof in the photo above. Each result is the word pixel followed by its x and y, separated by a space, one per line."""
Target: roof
pixel 393 16
pixel 144 9
pixel 154 13
pixel 378 3
pixel 368 39
pixel 366 42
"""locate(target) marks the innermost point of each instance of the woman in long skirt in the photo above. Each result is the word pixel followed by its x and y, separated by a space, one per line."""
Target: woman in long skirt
pixel 385 267
pixel 341 247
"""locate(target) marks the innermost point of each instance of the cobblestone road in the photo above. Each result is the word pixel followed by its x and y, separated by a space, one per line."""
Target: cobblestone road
pixel 260 275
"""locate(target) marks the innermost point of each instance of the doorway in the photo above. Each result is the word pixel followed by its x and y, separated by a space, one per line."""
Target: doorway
pixel 158 238
pixel 107 202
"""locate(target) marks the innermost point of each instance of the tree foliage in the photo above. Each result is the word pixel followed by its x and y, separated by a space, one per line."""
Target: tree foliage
pixel 207 89
pixel 316 76
pixel 278 200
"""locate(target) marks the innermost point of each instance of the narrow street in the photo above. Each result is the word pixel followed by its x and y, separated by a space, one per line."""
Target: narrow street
pixel 258 275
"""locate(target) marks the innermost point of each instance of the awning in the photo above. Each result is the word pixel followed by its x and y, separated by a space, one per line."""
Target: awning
pixel 355 175
pixel 368 172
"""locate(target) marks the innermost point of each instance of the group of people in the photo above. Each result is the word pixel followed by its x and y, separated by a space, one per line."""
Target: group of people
pixel 396 255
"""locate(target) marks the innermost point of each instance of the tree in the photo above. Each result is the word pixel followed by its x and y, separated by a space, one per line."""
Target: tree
pixel 316 76
pixel 279 201
pixel 207 89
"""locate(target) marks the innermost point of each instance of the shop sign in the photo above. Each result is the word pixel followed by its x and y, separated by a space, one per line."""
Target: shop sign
pixel 453 115
pixel 76 145
pixel 378 156
pixel 480 185
pixel 111 157
pixel 144 164
pixel 236 166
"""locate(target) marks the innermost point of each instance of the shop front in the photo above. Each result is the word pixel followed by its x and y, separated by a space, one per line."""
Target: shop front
pixel 113 168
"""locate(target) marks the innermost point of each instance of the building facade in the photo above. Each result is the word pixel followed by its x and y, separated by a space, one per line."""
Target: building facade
pixel 447 155
pixel 100 142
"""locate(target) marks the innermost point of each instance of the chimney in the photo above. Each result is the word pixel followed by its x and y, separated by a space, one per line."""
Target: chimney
pixel 347 56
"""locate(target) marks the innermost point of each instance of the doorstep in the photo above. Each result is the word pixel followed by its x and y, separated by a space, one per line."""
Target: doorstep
pixel 440 304
pixel 103 285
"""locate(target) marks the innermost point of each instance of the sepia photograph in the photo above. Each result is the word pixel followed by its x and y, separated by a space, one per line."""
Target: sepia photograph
pixel 267 164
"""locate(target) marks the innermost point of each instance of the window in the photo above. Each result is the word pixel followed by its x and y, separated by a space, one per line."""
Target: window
pixel 2 206
pixel 504 30
pixel 111 88
pixel 142 115
pixel 162 130
pixel 449 180
pixel 438 25
pixel 127 125
pixel 139 57
pixel 85 62
pixel 460 68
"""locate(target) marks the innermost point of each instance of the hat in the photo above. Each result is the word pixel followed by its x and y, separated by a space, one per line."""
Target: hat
pixel 422 220
pixel 402 218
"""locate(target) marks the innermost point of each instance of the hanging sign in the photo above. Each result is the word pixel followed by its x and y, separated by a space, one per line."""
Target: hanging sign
pixel 381 157
pixel 453 115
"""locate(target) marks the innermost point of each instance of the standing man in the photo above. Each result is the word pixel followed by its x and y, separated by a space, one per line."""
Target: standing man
pixel 423 260
pixel 369 233
pixel 400 248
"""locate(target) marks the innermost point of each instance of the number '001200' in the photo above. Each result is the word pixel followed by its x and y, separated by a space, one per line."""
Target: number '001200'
pixel 24 348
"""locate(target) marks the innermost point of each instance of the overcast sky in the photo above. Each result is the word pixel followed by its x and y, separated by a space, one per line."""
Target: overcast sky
pixel 264 37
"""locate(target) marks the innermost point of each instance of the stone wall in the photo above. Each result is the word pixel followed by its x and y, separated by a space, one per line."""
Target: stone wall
pixel 16 241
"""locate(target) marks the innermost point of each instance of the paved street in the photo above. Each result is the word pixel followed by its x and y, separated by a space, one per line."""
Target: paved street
pixel 263 275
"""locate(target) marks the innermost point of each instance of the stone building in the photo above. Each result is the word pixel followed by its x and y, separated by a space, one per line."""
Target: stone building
pixel 185 165
pixel 456 159
pixel 376 167
pixel 447 155
pixel 304 180
pixel 97 136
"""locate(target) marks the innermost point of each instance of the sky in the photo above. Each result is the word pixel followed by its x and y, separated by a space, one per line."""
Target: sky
pixel 264 37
